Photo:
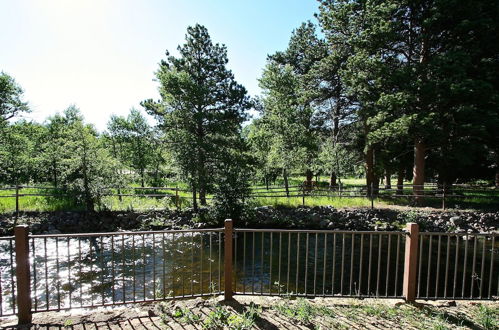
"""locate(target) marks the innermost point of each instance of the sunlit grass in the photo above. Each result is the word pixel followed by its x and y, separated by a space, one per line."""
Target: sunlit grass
pixel 477 200
pixel 337 202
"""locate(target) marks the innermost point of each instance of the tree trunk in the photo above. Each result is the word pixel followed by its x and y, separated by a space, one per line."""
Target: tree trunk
pixel 369 169
pixel 54 173
pixel 310 177
pixel 286 185
pixel 332 179
pixel 202 194
pixel 388 180
pixel 202 182
pixel 400 180
pixel 194 199
pixel 376 185
pixel 419 167
pixel 142 177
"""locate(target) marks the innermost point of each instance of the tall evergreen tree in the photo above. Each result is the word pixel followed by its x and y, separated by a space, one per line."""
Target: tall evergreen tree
pixel 201 109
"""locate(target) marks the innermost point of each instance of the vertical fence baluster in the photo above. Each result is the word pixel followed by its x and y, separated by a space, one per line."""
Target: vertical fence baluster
pixel 192 264
pixel 80 268
pixel 113 290
pixel 465 264
pixel 262 237
pixel 35 298
pixel 46 274
pixel 420 278
pixel 134 262
pixel 370 264
pixel 315 262
pixel 289 263
pixel 361 260
pixel 219 262
pixel 297 260
pixel 236 268
pixel 430 239
pixel 482 271
pixel 201 244
pixel 102 268
pixel 58 272
pixel 352 253
pixel 447 265
pixel 244 262
pixel 306 262
pixel 438 265
pixel 210 283
pixel 123 279
pixel 342 262
pixel 388 264
pixel 324 266
pixel 12 276
pixel 174 265
pixel 456 261
pixel 397 267
pixel 153 247
pixel 270 276
pixel 492 252
pixel 228 269
pixel 473 273
pixel 378 276
pixel 279 272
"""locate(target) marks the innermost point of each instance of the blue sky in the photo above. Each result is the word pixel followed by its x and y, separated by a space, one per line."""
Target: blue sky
pixel 101 54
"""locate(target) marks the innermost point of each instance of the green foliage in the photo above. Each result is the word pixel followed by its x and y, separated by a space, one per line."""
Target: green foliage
pixel 11 103
pixel 201 110
pixel 134 143
pixel 487 317
pixel 303 311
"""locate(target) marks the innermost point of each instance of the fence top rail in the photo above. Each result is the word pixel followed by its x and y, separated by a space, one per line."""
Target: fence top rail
pixel 124 233
pixel 7 238
pixel 314 231
pixel 458 234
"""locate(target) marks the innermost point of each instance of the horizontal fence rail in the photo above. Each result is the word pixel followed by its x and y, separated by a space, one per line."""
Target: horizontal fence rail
pixel 59 272
pixel 458 266
pixel 319 263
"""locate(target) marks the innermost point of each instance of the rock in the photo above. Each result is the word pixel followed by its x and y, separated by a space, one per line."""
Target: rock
pixel 457 221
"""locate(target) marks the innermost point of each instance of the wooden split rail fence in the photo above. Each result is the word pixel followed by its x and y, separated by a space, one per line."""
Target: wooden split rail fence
pixel 428 191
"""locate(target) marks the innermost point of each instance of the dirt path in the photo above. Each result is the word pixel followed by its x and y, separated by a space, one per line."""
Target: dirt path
pixel 276 313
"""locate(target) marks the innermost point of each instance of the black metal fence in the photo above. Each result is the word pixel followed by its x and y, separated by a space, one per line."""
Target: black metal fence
pixel 104 269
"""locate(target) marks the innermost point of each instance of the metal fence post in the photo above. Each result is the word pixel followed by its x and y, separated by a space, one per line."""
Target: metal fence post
pixel 22 274
pixel 228 233
pixel 411 262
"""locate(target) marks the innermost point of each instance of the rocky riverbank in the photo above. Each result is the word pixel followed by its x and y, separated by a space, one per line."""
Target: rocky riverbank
pixel 324 217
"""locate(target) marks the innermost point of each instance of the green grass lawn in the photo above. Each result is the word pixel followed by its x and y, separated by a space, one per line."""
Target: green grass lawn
pixel 483 200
